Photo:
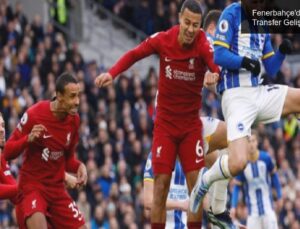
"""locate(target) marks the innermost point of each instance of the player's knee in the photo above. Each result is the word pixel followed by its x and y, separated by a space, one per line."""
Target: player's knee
pixel 161 188
pixel 237 165
pixel 36 220
pixel 292 102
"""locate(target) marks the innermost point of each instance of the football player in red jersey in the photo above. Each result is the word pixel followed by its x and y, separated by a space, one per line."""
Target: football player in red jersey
pixel 8 185
pixel 185 54
pixel 48 135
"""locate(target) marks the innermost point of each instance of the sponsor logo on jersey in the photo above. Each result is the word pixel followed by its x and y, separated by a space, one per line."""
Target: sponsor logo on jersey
pixel 191 63
pixel 168 72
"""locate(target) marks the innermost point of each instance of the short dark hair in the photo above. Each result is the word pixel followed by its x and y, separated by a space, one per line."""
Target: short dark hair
pixel 64 79
pixel 192 5
pixel 211 17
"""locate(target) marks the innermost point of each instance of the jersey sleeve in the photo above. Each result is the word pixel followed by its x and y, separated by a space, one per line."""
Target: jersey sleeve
pixel 268 49
pixel 72 163
pixel 148 172
pixel 240 177
pixel 5 174
pixel 208 56
pixel 225 29
pixel 269 162
pixel 146 48
pixel 18 140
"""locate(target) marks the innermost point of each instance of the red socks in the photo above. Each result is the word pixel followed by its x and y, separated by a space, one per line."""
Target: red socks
pixel 158 225
pixel 194 225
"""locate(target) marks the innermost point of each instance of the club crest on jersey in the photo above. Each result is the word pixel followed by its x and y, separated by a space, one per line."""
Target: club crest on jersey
pixel 158 151
pixel 192 63
pixel 68 139
pixel 240 127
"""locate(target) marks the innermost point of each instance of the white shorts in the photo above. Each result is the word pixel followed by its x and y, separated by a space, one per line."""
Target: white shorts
pixel 210 125
pixel 243 106
pixel 268 221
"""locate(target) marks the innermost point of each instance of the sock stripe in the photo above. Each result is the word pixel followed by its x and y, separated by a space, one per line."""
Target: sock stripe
pixel 220 165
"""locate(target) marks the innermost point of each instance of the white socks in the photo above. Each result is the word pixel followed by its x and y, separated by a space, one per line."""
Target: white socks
pixel 218 171
pixel 218 190
pixel 218 196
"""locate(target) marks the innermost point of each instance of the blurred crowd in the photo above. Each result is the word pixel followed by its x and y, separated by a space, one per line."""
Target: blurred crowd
pixel 152 16
pixel 116 123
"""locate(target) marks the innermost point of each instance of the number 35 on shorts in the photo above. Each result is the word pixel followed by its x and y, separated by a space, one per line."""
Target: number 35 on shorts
pixel 76 213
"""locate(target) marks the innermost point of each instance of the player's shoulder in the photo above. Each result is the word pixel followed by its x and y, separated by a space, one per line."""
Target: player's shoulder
pixel 264 155
pixel 202 41
pixel 38 108
pixel 165 36
pixel 77 118
pixel 232 8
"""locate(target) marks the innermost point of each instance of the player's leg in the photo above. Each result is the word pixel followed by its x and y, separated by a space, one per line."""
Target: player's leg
pixel 36 220
pixel 291 102
pixel 218 140
pixel 270 221
pixel 218 190
pixel 254 222
pixel 191 156
pixel 240 111
pixel 65 213
pixel 31 211
pixel 164 153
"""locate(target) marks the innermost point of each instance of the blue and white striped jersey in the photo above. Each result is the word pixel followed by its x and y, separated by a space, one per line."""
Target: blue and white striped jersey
pixel 256 179
pixel 252 45
pixel 178 191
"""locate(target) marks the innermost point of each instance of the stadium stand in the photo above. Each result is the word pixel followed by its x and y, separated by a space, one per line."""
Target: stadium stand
pixel 116 124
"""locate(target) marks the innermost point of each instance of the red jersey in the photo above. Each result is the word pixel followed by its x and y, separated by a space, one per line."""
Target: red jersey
pixel 47 158
pixel 8 184
pixel 181 72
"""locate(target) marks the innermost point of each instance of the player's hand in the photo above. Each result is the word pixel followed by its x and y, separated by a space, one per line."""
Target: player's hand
pixel 286 47
pixel 233 213
pixel 185 205
pixel 71 181
pixel 36 132
pixel 251 65
pixel 210 79
pixel 104 80
pixel 81 175
pixel 279 205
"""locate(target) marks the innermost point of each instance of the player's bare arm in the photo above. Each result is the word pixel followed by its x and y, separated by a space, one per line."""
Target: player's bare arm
pixel 170 204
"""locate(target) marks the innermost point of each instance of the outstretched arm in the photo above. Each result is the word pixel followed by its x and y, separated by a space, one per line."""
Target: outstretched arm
pixel 276 184
pixel 127 60
pixel 272 63
pixel 170 204
pixel 27 131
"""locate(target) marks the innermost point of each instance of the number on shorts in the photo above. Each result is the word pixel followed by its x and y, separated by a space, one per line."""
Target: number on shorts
pixel 77 213
pixel 199 149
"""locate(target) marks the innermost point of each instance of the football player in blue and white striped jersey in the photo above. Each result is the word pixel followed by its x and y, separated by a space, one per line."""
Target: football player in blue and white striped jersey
pixel 257 181
pixel 244 99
